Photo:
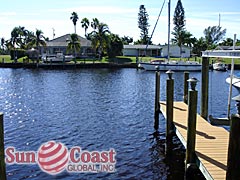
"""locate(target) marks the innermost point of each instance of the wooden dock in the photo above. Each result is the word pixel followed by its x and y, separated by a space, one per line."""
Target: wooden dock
pixel 211 141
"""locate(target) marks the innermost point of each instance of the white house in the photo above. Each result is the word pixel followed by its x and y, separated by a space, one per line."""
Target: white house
pixel 174 51
pixel 141 50
pixel 60 44
pixel 155 51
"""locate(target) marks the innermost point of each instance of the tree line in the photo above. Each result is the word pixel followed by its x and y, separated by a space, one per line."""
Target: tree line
pixel 213 35
pixel 105 43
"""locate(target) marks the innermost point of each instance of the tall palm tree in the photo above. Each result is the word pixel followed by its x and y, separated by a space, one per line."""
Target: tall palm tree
pixel 22 36
pixel 85 25
pixel 74 19
pixel 15 40
pixel 3 43
pixel 37 40
pixel 73 45
pixel 99 36
pixel 95 23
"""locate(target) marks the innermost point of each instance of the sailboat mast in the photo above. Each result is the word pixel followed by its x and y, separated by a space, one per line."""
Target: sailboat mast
pixel 231 78
pixel 168 49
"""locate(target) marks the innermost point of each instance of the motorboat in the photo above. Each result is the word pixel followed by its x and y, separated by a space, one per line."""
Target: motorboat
pixel 218 66
pixel 173 65
pixel 59 57
pixel 235 81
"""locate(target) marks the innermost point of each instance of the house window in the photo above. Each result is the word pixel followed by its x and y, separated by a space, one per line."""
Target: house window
pixel 183 51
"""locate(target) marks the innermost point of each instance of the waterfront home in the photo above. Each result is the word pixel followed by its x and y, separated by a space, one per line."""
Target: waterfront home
pixel 227 48
pixel 155 51
pixel 174 51
pixel 141 50
pixel 60 44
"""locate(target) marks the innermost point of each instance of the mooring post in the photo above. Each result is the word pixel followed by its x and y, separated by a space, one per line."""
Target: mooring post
pixel 191 124
pixel 233 162
pixel 204 89
pixel 2 157
pixel 185 96
pixel 157 98
pixel 169 104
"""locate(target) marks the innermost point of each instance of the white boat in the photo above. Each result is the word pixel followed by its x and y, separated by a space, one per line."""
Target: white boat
pixel 173 65
pixel 59 57
pixel 218 66
pixel 235 81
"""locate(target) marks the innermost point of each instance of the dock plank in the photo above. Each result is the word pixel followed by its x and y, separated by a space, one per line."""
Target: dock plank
pixel 211 141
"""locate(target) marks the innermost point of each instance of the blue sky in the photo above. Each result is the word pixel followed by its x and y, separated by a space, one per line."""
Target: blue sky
pixel 121 16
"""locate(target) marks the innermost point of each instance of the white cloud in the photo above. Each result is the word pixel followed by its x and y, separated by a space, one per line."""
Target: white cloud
pixel 8 14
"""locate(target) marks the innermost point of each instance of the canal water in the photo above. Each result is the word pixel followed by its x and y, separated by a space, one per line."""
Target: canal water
pixel 98 110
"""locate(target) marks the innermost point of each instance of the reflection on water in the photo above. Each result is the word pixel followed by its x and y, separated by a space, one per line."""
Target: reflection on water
pixel 96 109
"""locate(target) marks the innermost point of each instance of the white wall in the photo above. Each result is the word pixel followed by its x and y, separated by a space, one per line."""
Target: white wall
pixel 175 51
pixel 130 52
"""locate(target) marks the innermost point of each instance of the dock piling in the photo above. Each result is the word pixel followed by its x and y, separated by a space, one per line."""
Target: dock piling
pixel 169 104
pixel 191 124
pixel 233 162
pixel 157 98
pixel 185 96
pixel 204 89
pixel 2 157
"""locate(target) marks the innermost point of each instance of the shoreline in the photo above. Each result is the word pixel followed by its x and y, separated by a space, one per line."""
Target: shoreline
pixel 67 66
pixel 81 65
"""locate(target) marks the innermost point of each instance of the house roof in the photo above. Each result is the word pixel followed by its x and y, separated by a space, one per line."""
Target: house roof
pixel 62 41
pixel 227 48
pixel 174 45
pixel 141 46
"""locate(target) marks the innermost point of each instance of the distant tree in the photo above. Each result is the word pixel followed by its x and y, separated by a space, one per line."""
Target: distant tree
pixel 95 23
pixel 143 24
pixel 188 40
pixel 213 34
pixel 15 40
pixel 115 46
pixel 2 43
pixel 37 40
pixel 99 36
pixel 74 45
pixel 127 40
pixel 199 46
pixel 226 42
pixel 74 18
pixel 85 24
pixel 179 25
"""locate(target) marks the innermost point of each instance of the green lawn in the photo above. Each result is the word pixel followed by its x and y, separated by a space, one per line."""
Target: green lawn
pixel 128 59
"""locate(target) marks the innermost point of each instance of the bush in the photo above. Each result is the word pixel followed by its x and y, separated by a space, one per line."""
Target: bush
pixel 18 52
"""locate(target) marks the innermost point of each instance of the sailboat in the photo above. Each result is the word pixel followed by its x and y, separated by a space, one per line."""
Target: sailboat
pixel 168 64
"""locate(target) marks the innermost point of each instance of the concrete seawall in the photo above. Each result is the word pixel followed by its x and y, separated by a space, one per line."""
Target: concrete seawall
pixel 67 66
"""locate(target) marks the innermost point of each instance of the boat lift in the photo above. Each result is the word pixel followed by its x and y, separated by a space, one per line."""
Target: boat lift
pixel 233 54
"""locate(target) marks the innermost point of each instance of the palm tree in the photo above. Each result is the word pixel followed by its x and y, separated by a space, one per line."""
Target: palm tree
pixel 14 41
pixel 85 25
pixel 73 45
pixel 22 36
pixel 74 19
pixel 99 36
pixel 2 43
pixel 95 23
pixel 37 40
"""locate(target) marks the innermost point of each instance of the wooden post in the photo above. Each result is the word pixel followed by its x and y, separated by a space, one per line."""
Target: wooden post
pixel 204 89
pixel 169 105
pixel 169 113
pixel 233 162
pixel 157 98
pixel 185 96
pixel 2 157
pixel 191 127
